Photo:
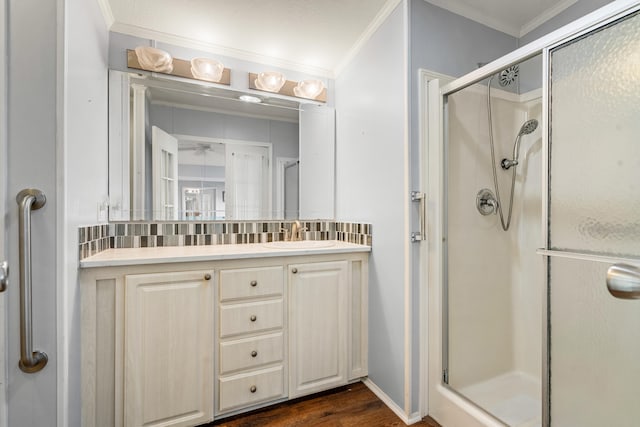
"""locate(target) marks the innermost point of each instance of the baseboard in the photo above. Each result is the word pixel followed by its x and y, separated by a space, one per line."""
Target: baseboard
pixel 408 420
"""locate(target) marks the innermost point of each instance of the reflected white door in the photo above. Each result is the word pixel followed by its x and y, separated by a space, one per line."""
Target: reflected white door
pixel 165 175
pixel 247 182
pixel 594 223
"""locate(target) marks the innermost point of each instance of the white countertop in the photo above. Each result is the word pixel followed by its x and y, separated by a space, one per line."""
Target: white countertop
pixel 167 254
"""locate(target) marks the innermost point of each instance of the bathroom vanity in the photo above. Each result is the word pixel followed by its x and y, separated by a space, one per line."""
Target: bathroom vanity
pixel 179 335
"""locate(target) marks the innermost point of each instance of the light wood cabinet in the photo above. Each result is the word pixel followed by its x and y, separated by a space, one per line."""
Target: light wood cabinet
pixel 318 325
pixel 251 362
pixel 178 344
pixel 168 338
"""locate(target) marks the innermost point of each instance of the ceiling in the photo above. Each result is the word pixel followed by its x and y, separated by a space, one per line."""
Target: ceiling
pixel 313 36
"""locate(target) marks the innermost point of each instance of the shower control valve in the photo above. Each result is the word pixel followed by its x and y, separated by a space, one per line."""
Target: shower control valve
pixel 486 202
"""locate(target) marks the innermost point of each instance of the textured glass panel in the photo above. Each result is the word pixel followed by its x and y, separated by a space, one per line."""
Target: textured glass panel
pixel 595 142
pixel 595 349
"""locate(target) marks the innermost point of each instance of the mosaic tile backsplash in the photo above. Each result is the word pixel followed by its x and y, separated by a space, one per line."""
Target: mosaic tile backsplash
pixel 97 238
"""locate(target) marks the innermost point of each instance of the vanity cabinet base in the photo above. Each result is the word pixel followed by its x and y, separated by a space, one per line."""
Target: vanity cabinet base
pixel 177 343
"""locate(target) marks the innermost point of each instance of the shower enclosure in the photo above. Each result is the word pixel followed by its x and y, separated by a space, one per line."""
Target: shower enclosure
pixel 534 293
pixel 494 278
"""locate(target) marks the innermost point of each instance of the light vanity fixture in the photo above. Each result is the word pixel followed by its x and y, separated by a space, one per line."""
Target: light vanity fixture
pixel 207 69
pixel 157 60
pixel 308 88
pixel 270 81
pixel 153 59
pixel 275 82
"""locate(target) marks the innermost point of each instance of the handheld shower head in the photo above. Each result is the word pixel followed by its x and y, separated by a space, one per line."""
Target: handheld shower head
pixel 528 127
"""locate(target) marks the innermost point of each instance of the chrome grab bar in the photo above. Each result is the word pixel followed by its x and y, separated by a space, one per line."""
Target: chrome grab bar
pixel 30 361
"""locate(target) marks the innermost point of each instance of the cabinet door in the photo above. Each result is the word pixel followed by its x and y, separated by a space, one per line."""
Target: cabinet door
pixel 318 325
pixel 168 365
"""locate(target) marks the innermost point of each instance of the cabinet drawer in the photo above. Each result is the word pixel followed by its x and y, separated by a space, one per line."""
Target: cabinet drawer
pixel 251 282
pixel 247 389
pixel 250 317
pixel 251 352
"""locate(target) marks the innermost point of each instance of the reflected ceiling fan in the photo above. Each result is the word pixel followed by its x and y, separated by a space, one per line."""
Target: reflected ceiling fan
pixel 198 148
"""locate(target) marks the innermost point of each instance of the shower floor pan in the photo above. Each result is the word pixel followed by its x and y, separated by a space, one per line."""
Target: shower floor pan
pixel 513 397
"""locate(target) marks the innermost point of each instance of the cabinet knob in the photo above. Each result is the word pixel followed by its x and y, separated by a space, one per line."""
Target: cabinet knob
pixel 207 276
pixel 253 318
pixel 254 283
pixel 294 270
pixel 253 389
pixel 254 353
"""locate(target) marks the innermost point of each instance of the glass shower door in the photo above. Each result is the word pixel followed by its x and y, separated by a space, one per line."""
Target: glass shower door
pixel 594 224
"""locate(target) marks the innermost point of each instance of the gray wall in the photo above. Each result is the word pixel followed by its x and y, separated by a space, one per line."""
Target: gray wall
pixel 573 12
pixel 85 169
pixel 450 44
pixel 370 178
pixel 531 71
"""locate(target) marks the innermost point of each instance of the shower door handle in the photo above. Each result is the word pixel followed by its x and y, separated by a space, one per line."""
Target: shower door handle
pixel 421 198
pixel 623 281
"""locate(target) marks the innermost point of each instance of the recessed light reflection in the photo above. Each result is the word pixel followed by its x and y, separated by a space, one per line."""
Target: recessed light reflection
pixel 251 99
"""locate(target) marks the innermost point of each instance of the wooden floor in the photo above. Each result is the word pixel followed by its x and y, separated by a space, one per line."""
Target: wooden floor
pixel 349 406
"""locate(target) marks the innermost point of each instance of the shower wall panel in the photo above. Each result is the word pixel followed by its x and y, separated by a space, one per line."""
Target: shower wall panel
pixel 527 268
pixel 494 277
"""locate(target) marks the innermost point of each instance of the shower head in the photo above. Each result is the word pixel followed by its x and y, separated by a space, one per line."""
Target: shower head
pixel 508 75
pixel 528 127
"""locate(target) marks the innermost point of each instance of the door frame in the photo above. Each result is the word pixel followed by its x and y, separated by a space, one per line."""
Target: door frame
pixel 5 203
pixel 436 399
pixel 281 165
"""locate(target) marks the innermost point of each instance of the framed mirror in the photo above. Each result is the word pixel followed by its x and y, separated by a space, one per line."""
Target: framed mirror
pixel 181 151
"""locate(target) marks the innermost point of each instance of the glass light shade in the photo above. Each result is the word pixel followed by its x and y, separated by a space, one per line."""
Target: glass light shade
pixel 308 88
pixel 271 81
pixel 207 69
pixel 153 59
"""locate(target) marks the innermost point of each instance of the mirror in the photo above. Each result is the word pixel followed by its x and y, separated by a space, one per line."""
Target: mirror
pixel 182 151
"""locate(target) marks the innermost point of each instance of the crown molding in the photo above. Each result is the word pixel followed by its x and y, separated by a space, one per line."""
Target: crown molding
pixel 244 55
pixel 545 16
pixel 379 19
pixel 107 13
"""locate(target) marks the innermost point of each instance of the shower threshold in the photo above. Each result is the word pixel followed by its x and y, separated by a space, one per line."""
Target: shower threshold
pixel 513 397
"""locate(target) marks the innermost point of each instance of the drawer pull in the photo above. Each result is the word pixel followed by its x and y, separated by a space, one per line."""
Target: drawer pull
pixel 254 353
pixel 253 389
pixel 294 270
pixel 254 283
pixel 207 276
pixel 253 318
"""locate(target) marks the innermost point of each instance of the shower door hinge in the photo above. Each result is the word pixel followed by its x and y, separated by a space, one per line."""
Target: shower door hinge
pixel 445 376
